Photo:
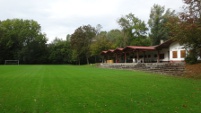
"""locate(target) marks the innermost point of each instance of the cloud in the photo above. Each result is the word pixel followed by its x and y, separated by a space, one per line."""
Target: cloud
pixel 82 8
pixel 61 17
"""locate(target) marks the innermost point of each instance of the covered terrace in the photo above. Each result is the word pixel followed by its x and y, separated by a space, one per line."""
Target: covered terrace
pixel 139 54
pixel 107 56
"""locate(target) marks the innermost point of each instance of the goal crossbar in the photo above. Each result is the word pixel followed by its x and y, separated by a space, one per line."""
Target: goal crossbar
pixel 17 61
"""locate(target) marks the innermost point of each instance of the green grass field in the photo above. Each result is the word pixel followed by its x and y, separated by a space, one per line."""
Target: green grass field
pixel 87 89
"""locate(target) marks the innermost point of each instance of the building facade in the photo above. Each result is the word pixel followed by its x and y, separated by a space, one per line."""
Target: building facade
pixel 168 51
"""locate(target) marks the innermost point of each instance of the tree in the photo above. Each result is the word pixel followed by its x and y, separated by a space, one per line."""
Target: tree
pixel 35 52
pixel 100 44
pixel 158 19
pixel 192 10
pixel 186 28
pixel 81 40
pixel 68 36
pixel 23 40
pixel 115 37
pixel 133 29
pixel 59 52
pixel 98 28
pixel 1 45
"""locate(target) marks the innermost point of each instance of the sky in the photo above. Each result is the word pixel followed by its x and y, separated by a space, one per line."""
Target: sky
pixel 61 17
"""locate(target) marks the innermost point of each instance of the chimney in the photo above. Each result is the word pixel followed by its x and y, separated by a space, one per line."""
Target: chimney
pixel 161 41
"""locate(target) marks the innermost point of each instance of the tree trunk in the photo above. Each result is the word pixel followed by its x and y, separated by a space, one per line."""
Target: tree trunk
pixel 95 59
pixel 87 60
pixel 79 61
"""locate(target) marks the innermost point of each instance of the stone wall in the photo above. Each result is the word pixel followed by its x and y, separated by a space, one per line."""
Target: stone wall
pixel 164 68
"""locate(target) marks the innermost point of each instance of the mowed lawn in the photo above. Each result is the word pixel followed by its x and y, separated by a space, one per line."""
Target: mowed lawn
pixel 88 89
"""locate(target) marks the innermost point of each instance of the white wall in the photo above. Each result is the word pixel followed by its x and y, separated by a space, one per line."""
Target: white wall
pixel 175 46
pixel 166 54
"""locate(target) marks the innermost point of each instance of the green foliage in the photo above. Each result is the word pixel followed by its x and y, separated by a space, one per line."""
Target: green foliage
pixel 191 59
pixel 84 89
pixel 132 28
pixel 191 22
pixel 157 23
pixel 60 52
pixel 68 37
pixel 186 28
pixel 22 40
pixel 105 41
pixel 101 43
pixel 115 37
pixel 141 42
pixel 81 41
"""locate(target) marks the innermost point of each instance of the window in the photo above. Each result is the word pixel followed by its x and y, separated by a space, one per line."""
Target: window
pixel 162 56
pixel 174 54
pixel 183 53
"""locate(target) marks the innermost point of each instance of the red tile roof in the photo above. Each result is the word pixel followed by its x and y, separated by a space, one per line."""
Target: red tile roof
pixel 103 52
pixel 166 44
pixel 118 50
pixel 146 48
pixel 110 51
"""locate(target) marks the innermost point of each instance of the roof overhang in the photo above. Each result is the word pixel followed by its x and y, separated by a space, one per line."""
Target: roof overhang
pixel 103 53
pixel 139 48
pixel 118 50
pixel 166 44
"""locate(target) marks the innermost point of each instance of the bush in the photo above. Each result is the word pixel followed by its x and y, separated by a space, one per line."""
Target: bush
pixel 191 59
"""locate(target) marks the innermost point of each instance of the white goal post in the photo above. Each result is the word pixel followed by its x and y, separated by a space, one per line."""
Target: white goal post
pixel 12 62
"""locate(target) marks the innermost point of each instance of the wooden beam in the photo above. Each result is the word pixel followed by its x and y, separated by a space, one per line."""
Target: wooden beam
pixel 137 55
pixel 143 56
pixel 125 57
pixel 158 56
pixel 116 58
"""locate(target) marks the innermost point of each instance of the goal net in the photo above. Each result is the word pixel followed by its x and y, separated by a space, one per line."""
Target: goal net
pixel 12 62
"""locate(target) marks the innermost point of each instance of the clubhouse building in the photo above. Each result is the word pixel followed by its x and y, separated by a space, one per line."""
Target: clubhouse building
pixel 168 51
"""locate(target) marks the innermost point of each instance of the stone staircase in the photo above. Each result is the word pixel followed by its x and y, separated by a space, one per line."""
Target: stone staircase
pixel 164 68
pixel 170 68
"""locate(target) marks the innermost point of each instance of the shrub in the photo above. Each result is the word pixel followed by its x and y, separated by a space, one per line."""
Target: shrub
pixel 191 59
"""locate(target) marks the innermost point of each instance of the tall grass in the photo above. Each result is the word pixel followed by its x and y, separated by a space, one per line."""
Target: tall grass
pixel 86 89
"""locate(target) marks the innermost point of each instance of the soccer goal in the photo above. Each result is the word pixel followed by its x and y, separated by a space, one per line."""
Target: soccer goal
pixel 12 62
